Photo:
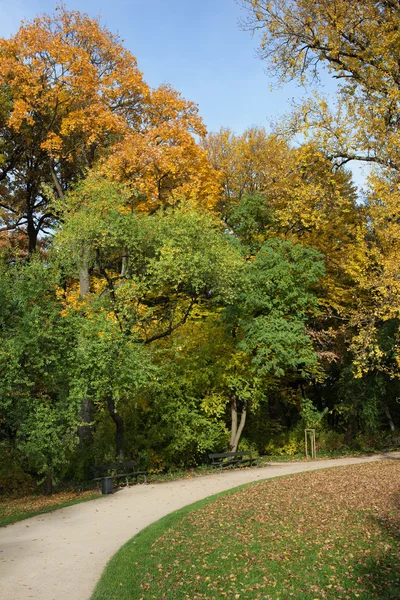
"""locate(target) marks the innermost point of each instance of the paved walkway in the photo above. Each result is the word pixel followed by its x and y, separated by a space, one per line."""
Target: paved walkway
pixel 61 555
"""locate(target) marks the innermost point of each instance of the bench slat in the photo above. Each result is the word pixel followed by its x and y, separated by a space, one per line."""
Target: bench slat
pixel 103 471
pixel 229 454
pixel 230 459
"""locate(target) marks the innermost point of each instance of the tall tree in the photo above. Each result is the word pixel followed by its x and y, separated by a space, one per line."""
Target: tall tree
pixel 70 95
pixel 270 318
pixel 262 336
pixel 358 43
pixel 147 274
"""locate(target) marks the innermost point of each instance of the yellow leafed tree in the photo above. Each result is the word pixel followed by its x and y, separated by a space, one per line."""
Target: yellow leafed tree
pixel 358 43
pixel 301 197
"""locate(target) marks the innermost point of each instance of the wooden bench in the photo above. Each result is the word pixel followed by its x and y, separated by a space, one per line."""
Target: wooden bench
pixel 122 470
pixel 231 459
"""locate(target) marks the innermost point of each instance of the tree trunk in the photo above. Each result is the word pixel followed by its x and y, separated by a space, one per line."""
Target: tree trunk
pixel 240 428
pixel 234 420
pixel 84 277
pixel 236 431
pixel 56 181
pixel 389 418
pixel 32 234
pixel 124 265
pixel 119 427
pixel 48 484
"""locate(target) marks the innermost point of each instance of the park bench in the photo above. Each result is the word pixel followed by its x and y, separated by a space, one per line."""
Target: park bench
pixel 106 474
pixel 395 441
pixel 231 459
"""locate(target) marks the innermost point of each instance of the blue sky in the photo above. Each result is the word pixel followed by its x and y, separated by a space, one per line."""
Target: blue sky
pixel 196 46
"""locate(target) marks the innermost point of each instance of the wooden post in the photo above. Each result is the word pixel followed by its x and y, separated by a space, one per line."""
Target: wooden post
pixel 311 434
pixel 305 437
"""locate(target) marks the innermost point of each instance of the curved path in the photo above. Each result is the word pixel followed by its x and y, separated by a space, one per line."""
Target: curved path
pixel 61 555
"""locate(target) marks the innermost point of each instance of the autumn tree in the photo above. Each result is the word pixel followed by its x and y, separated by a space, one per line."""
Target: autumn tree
pixel 357 42
pixel 71 96
pixel 147 275
pixel 249 162
pixel 271 189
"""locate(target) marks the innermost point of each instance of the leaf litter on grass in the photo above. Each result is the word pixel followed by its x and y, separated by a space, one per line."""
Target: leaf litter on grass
pixel 330 534
pixel 14 508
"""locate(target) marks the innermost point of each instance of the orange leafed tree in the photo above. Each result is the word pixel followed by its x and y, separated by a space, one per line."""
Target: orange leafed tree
pixel 71 97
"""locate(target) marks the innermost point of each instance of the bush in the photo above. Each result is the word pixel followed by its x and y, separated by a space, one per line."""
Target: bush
pixel 286 444
pixel 367 442
pixel 331 441
pixel 246 446
pixel 12 476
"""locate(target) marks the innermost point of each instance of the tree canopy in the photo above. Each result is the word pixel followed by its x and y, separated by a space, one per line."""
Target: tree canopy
pixel 167 292
pixel 72 97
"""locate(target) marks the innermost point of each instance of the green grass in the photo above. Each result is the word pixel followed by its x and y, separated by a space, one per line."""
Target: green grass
pixel 331 534
pixel 13 510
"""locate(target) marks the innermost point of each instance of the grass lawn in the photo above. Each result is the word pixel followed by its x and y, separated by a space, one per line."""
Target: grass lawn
pixel 330 534
pixel 16 509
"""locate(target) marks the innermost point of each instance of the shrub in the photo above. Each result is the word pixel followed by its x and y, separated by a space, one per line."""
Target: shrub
pixel 286 444
pixel 12 476
pixel 331 441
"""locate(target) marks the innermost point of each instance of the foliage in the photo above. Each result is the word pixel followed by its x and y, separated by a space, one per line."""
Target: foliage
pixel 311 417
pixel 184 434
pixel 330 441
pixel 46 439
pixel 72 96
pixel 178 251
pixel 290 443
pixel 191 284
pixel 13 478
pixel 148 275
pixel 274 190
pixel 277 299
pixel 38 407
pixel 358 44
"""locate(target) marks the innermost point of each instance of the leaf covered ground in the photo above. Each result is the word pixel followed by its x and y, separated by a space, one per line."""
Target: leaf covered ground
pixel 18 508
pixel 330 534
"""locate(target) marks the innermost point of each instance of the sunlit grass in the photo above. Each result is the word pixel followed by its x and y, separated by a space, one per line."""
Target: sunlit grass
pixel 330 534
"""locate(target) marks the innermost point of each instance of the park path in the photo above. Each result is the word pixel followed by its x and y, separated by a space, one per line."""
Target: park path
pixel 61 555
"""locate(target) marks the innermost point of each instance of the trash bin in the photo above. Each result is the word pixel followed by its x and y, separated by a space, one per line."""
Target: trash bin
pixel 106 485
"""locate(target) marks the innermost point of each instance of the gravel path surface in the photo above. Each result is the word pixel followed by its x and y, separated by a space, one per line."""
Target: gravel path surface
pixel 61 555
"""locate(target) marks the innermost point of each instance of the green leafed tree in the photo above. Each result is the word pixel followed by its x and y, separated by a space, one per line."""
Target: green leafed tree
pixel 265 329
pixel 39 402
pixel 146 275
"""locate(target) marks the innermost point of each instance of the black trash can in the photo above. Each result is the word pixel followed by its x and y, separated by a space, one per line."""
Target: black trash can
pixel 106 485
